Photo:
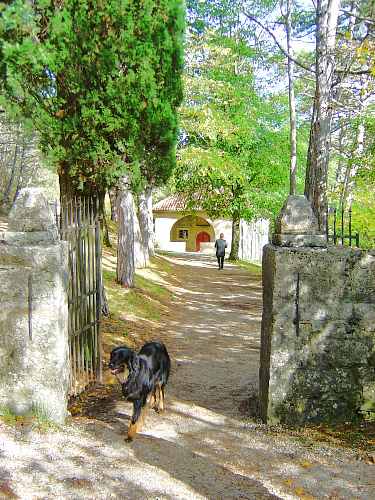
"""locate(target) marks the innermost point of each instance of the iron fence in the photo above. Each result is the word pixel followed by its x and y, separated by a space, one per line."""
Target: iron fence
pixel 339 227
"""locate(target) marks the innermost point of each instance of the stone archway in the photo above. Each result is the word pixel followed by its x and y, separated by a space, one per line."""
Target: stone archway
pixel 188 228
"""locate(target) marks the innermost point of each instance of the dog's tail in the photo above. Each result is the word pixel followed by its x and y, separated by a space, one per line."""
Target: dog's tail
pixel 166 367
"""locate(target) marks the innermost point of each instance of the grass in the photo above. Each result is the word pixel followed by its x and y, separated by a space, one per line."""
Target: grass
pixel 135 313
pixel 35 419
pixel 249 266
pixel 143 301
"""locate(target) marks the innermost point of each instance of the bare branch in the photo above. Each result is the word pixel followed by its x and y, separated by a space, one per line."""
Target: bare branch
pixel 353 73
pixel 265 28
pixel 364 19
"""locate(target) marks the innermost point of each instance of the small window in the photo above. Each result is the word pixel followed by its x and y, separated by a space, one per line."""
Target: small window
pixel 183 234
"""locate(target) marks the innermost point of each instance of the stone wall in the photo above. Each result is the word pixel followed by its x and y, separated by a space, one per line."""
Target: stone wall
pixel 318 334
pixel 34 355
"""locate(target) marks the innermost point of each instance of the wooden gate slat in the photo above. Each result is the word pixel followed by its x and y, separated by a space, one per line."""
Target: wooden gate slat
pixel 80 226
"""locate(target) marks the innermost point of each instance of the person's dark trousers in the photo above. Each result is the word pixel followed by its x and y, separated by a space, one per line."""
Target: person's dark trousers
pixel 220 260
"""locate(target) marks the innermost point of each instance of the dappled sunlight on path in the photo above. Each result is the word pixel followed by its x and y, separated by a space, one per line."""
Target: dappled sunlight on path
pixel 204 446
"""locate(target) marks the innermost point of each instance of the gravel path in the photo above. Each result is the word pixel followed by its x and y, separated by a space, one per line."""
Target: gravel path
pixel 202 447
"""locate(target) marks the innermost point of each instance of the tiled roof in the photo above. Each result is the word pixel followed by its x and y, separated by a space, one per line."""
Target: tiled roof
pixel 175 202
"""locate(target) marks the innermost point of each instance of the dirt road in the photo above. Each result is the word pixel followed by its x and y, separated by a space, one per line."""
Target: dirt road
pixel 203 447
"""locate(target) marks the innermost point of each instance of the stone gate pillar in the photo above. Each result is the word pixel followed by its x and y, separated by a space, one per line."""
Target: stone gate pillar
pixel 34 351
pixel 296 227
pixel 318 325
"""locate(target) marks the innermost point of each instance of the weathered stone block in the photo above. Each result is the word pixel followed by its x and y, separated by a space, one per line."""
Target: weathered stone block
pixel 363 279
pixel 317 345
pixel 34 356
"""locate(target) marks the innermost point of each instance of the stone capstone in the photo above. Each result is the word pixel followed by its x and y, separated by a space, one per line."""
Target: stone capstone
pixel 31 213
pixel 297 226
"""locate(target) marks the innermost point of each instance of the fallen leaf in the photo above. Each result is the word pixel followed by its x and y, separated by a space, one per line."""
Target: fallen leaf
pixel 301 493
pixel 306 464
pixel 6 490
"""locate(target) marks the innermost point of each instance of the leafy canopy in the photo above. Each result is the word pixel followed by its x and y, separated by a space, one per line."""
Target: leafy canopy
pixel 233 152
pixel 99 79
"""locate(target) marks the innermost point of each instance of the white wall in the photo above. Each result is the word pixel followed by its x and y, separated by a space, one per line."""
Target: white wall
pixel 225 227
pixel 163 226
pixel 253 237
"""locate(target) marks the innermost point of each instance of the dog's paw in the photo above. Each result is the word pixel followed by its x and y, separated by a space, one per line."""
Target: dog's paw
pixel 128 439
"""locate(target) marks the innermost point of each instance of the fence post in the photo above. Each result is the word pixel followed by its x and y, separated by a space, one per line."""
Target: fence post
pixel 98 295
pixel 342 226
pixel 334 225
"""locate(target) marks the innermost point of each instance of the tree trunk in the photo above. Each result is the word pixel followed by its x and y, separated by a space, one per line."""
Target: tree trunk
pixel 292 103
pixel 140 251
pixel 103 221
pixel 112 198
pixel 235 238
pixel 150 223
pixel 9 188
pixel 320 134
pixel 125 247
pixel 146 222
pixel 67 189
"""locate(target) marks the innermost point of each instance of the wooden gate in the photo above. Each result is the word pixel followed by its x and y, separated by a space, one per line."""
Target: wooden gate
pixel 80 226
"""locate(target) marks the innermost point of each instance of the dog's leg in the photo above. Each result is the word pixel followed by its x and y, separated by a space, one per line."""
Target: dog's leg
pixel 152 401
pixel 138 418
pixel 134 423
pixel 142 417
pixel 160 402
pixel 162 396
pixel 157 397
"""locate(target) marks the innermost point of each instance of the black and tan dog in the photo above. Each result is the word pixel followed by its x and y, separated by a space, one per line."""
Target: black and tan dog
pixel 148 375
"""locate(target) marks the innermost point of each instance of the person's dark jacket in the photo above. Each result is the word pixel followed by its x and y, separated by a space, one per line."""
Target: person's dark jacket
pixel 220 246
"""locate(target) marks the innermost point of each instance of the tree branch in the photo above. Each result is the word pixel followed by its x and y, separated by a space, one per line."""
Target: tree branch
pixel 265 28
pixel 352 14
pixel 353 73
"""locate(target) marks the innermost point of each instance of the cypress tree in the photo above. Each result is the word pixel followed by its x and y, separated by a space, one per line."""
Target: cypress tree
pixel 100 81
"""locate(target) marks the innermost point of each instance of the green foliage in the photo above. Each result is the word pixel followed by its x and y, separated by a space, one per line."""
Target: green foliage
pixel 234 150
pixel 100 80
pixel 363 213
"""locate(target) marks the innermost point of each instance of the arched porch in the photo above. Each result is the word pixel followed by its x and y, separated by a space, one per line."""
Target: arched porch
pixel 193 230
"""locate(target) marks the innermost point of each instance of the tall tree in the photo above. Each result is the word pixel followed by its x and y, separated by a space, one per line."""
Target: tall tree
pixel 94 79
pixel 320 134
pixel 292 102
pixel 158 123
pixel 233 156
pixel 84 72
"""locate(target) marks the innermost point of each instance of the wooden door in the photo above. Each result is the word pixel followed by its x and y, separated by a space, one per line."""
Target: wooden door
pixel 202 237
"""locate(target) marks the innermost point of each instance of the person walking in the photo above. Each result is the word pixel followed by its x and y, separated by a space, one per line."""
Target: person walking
pixel 220 246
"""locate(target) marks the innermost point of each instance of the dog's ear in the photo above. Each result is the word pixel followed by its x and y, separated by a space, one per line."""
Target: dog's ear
pixel 120 354
pixel 133 363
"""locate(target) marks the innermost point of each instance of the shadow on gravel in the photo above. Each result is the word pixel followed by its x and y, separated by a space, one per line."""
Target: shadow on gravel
pixel 204 477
